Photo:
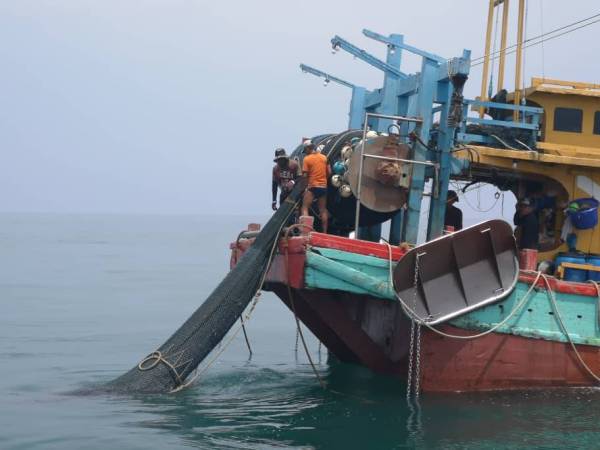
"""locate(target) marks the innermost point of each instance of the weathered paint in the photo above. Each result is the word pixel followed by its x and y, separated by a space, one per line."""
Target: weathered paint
pixel 359 272
pixel 537 319
pixel 344 271
pixel 361 327
pixel 500 361
pixel 355 246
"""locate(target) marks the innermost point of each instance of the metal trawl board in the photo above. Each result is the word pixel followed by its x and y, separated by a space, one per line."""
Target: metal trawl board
pixel 459 272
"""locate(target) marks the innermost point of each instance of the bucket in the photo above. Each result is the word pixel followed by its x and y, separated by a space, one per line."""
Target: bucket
pixel 573 274
pixel 586 214
pixel 528 259
pixel 593 260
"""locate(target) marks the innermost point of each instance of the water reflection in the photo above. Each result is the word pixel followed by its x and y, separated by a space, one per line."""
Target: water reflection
pixel 253 407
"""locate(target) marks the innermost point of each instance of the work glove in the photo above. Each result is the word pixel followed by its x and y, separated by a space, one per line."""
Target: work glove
pixel 274 206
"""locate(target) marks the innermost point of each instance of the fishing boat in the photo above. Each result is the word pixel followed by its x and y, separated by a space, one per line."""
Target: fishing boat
pixel 466 310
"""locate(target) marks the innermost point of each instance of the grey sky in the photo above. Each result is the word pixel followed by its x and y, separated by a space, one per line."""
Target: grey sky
pixel 175 106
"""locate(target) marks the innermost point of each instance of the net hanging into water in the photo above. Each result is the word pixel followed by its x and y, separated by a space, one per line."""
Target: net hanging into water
pixel 169 366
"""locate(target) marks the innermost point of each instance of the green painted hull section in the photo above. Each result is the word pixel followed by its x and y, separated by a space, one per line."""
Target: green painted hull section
pixel 350 272
pixel 537 319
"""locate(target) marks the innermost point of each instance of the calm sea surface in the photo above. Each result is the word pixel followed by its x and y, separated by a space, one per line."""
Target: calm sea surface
pixel 83 298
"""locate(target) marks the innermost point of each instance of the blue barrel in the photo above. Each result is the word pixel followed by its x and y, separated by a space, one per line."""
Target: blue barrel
pixel 573 274
pixel 593 260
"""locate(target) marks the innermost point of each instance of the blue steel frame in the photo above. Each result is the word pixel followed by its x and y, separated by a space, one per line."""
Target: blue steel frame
pixel 529 120
pixel 420 95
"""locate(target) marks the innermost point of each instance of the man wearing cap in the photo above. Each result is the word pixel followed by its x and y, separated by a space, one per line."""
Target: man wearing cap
pixel 528 225
pixel 454 217
pixel 316 169
pixel 284 174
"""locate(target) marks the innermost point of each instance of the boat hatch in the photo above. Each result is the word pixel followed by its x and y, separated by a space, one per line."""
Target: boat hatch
pixel 459 272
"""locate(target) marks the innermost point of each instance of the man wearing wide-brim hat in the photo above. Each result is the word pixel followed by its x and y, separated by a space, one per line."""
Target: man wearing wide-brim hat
pixel 285 173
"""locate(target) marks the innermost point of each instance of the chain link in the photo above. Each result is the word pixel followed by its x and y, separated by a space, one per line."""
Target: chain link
pixel 415 332
pixel 410 359
pixel 418 363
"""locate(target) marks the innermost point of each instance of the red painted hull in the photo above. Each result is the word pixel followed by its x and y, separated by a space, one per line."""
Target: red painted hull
pixel 364 330
pixel 502 361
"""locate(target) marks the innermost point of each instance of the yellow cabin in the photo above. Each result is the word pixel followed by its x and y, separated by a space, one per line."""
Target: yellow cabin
pixel 564 163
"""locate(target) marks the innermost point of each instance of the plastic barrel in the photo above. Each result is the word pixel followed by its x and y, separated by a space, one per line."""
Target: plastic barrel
pixel 573 274
pixel 593 260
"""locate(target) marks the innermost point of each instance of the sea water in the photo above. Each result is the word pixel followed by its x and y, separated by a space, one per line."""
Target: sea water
pixel 84 297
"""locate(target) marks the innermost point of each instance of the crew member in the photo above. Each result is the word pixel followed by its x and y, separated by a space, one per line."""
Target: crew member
pixel 454 216
pixel 528 225
pixel 284 174
pixel 316 169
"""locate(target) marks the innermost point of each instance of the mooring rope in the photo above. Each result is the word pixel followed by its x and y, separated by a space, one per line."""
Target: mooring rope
pixel 414 316
pixel 552 298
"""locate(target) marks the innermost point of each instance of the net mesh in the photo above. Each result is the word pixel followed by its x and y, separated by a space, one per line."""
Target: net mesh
pixel 169 366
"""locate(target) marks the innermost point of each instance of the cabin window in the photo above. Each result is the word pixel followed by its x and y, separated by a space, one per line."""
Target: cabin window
pixel 568 119
pixel 597 122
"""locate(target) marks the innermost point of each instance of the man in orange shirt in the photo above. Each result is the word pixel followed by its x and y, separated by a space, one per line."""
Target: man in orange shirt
pixel 316 169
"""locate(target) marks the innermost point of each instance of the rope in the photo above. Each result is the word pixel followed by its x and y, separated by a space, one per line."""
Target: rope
pixel 157 358
pixel 479 60
pixel 292 304
pixel 478 208
pixel 552 298
pixel 415 317
pixel 182 385
pixel 464 196
pixel 246 336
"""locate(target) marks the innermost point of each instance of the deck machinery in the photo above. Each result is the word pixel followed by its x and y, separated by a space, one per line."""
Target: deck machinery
pixel 543 141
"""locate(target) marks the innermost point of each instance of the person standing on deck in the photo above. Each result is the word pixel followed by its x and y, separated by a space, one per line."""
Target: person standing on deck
pixel 316 169
pixel 284 175
pixel 454 216
pixel 528 225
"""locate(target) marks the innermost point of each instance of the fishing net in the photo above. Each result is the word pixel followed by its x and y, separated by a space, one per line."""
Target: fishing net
pixel 168 367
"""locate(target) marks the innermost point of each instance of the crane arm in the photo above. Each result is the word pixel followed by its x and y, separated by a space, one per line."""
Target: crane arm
pixel 325 75
pixel 338 42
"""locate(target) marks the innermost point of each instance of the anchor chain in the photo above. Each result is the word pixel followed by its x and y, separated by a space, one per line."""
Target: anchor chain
pixel 414 356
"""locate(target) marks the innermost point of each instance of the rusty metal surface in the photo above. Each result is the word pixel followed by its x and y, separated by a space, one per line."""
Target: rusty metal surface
pixel 380 189
pixel 459 272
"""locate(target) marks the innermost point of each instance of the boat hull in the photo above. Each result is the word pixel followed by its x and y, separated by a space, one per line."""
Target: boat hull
pixel 339 288
pixel 501 362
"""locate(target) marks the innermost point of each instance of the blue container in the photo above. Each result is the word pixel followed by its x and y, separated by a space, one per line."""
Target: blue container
pixel 593 260
pixel 587 215
pixel 573 274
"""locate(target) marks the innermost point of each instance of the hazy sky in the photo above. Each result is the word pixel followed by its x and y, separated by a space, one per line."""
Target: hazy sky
pixel 176 106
